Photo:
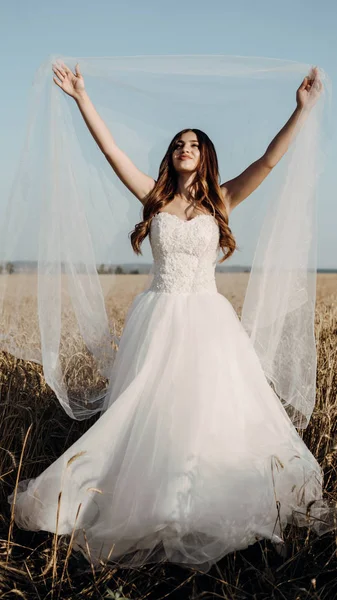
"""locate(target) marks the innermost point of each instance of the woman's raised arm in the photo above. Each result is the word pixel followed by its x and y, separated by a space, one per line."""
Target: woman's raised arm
pixel 239 188
pixel 72 84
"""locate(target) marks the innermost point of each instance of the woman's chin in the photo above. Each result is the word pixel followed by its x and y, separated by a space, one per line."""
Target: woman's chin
pixel 185 169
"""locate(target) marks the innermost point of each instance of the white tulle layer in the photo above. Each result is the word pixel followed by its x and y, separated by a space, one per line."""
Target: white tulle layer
pixel 194 457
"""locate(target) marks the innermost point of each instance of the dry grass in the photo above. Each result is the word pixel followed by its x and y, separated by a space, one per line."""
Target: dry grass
pixel 35 430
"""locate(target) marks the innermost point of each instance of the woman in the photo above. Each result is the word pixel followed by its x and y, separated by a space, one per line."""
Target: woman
pixel 194 456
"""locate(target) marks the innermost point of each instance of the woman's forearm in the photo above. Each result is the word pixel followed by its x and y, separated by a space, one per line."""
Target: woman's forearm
pixel 95 123
pixel 280 144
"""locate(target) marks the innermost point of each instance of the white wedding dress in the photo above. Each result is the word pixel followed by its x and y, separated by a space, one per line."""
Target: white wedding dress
pixel 194 456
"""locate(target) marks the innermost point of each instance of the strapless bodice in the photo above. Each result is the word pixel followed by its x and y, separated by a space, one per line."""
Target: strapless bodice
pixel 184 253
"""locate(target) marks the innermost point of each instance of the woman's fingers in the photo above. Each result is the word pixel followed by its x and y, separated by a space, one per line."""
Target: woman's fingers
pixel 66 79
pixel 57 82
pixel 304 83
pixel 66 69
pixel 314 75
pixel 59 73
pixel 62 68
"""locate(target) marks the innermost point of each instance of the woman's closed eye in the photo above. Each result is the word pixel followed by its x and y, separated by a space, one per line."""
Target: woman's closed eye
pixel 178 146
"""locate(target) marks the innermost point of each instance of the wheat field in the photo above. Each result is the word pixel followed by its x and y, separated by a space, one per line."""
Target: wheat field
pixel 35 431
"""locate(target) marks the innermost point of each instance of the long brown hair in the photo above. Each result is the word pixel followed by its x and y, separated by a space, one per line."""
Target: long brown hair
pixel 205 190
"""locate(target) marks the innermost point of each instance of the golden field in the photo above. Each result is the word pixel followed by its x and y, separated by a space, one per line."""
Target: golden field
pixel 35 430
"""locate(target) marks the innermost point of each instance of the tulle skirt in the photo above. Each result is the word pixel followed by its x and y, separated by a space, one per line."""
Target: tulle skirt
pixel 194 456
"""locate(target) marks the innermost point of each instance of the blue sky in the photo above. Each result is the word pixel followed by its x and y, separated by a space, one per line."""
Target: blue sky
pixel 303 31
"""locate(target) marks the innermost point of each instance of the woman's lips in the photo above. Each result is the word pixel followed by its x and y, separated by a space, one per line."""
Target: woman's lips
pixel 184 158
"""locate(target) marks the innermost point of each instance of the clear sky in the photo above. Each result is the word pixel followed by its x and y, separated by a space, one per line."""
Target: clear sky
pixel 300 30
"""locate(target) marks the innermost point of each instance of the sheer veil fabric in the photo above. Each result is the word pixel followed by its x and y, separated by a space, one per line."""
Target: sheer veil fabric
pixel 67 212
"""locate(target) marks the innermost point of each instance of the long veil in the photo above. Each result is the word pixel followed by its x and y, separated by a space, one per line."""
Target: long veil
pixel 67 213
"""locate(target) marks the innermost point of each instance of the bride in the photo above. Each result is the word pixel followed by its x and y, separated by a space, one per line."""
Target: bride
pixel 194 455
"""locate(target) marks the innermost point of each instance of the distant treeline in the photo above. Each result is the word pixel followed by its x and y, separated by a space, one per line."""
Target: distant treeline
pixel 124 268
pixel 118 270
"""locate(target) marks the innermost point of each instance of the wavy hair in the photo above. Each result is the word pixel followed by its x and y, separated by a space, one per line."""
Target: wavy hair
pixel 205 190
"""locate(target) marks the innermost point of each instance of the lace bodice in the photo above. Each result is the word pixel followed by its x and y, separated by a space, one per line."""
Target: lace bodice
pixel 184 253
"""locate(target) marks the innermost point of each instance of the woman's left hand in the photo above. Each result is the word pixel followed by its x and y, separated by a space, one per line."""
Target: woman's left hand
pixel 309 90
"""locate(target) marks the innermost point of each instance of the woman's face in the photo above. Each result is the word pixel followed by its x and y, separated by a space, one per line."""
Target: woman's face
pixel 186 153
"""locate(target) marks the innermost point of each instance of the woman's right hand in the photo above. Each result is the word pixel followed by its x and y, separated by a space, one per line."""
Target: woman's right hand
pixel 71 83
